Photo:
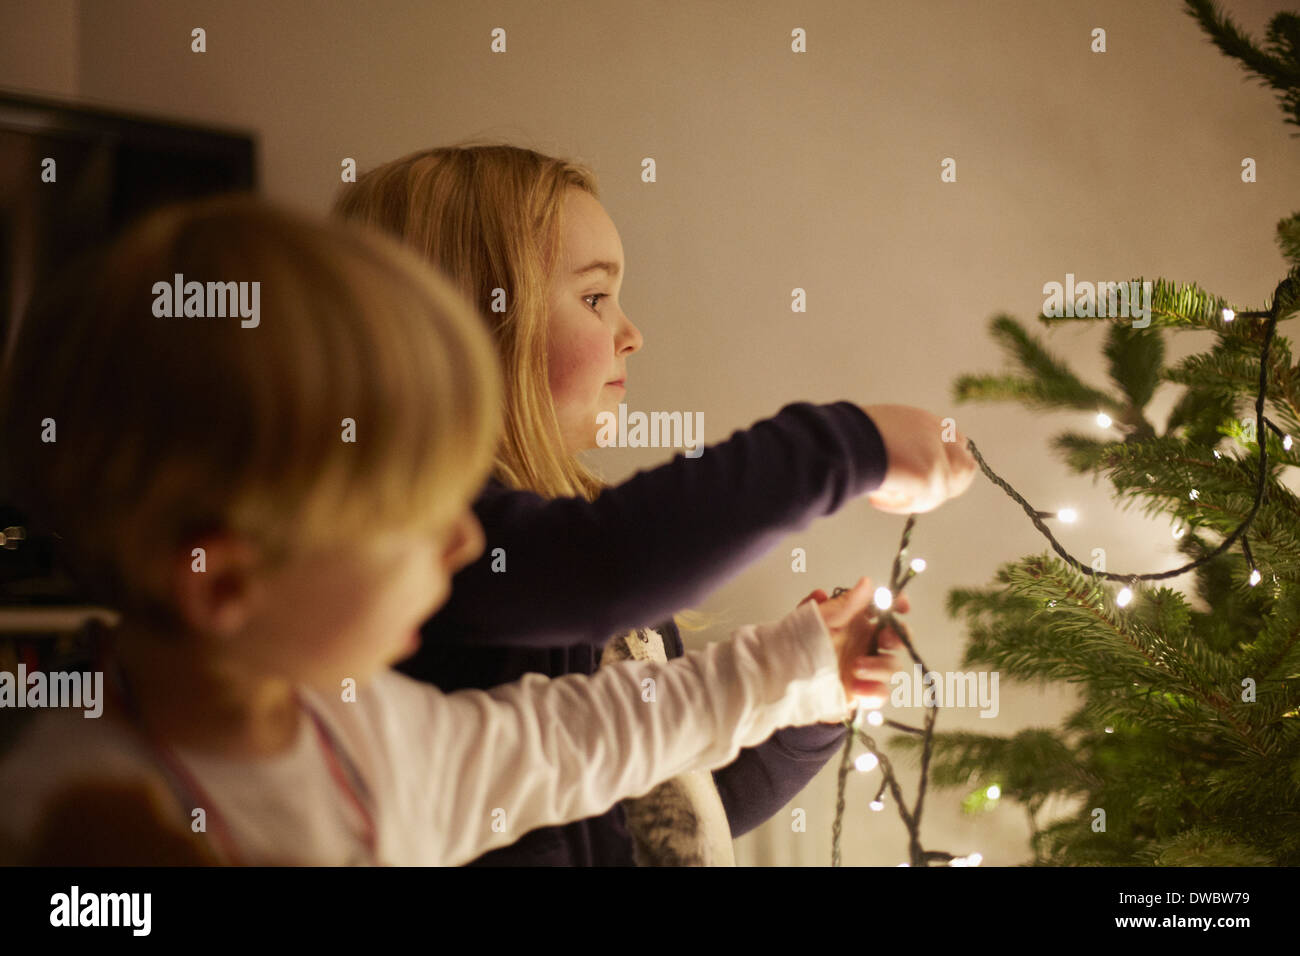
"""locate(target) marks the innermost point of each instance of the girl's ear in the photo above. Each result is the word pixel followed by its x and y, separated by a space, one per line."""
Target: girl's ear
pixel 215 591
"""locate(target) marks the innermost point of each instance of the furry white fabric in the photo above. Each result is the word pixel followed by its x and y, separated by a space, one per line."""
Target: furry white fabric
pixel 681 822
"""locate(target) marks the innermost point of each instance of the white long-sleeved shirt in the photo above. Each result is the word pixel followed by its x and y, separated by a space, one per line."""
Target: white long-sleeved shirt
pixel 455 775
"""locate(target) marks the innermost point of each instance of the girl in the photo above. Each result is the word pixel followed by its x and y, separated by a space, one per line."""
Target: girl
pixel 570 562
pixel 274 509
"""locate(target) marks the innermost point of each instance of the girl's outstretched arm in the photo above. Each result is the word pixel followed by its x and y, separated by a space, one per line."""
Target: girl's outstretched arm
pixel 578 571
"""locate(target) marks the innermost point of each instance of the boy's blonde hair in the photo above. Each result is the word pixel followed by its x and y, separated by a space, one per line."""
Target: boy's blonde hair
pixel 169 428
pixel 491 216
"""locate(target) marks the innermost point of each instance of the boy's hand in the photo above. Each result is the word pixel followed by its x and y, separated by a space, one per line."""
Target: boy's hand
pixel 850 619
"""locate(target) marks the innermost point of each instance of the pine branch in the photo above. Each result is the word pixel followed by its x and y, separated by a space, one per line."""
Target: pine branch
pixel 1171 761
pixel 1204 846
pixel 1035 763
pixel 1199 413
pixel 1288 237
pixel 1047 383
pixel 1226 376
pixel 1185 306
pixel 1278 68
pixel 1286 301
pixel 1136 357
pixel 1082 454
pixel 1167 680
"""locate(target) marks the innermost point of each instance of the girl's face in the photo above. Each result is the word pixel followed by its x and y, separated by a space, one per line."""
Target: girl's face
pixel 589 338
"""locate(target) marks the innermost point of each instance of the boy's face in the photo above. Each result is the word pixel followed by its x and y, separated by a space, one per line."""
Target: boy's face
pixel 589 338
pixel 351 611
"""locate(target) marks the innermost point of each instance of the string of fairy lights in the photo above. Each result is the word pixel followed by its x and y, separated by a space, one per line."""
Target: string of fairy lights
pixel 904 570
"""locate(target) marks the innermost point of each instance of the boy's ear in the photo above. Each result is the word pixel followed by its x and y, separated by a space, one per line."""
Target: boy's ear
pixel 216 592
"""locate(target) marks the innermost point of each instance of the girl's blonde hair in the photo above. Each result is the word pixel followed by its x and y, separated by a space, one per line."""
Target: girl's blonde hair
pixel 491 217
pixel 130 434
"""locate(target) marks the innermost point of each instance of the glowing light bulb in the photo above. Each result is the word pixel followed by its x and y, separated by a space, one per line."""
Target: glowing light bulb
pixel 1110 730
pixel 866 762
pixel 918 564
pixel 1179 530
pixel 993 792
pixel 1103 420
pixel 1229 315
pixel 1068 515
pixel 1217 455
pixel 1286 442
pixel 876 805
pixel 1124 597
pixel 1254 577
pixel 1194 494
pixel 875 718
pixel 884 598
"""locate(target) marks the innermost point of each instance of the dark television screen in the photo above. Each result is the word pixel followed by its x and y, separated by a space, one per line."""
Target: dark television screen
pixel 110 168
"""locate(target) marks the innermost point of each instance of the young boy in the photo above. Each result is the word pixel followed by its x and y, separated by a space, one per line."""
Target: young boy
pixel 258 437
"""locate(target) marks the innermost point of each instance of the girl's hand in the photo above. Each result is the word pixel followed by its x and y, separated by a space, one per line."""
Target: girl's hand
pixel 923 470
pixel 850 619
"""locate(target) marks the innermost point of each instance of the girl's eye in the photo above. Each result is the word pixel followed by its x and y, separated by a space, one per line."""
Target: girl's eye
pixel 595 295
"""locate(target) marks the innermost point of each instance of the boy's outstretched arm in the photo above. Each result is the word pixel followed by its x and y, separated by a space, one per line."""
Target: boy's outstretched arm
pixel 543 752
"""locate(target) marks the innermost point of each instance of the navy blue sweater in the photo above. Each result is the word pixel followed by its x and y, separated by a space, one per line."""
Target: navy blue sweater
pixel 579 572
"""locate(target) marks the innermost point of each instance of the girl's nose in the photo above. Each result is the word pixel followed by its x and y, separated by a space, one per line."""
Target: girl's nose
pixel 630 338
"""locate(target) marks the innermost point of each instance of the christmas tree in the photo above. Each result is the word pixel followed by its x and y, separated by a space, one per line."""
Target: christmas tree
pixel 1186 747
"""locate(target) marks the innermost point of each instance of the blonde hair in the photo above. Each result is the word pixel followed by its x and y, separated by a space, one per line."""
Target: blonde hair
pixel 169 428
pixel 491 216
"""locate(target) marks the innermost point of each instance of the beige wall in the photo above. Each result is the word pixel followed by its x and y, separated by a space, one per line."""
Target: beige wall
pixel 775 171
pixel 38 46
